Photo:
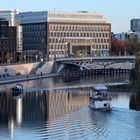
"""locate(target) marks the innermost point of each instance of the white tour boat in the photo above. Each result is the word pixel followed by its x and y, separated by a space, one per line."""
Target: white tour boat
pixel 99 98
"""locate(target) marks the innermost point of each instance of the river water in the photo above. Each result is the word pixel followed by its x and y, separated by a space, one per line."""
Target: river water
pixel 57 110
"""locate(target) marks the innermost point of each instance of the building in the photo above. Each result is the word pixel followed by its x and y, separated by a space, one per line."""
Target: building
pixel 54 34
pixel 133 32
pixel 34 26
pixel 135 25
pixel 10 15
pixel 120 36
pixel 10 37
pixel 7 42
pixel 77 34
pixel 123 36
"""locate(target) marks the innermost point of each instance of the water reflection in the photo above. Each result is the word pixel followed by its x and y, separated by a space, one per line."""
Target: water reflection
pixel 41 105
pixel 58 82
pixel 135 101
pixel 64 114
pixel 10 112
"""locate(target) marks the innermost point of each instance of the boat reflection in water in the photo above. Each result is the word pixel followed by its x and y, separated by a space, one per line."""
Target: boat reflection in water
pixel 64 114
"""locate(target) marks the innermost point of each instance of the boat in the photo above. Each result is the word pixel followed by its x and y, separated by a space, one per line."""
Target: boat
pixel 99 98
pixel 17 89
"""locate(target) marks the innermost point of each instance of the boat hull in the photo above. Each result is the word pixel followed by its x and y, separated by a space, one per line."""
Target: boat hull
pixel 100 105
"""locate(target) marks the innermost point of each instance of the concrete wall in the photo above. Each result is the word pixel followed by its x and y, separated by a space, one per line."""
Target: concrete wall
pixel 19 68
pixel 46 68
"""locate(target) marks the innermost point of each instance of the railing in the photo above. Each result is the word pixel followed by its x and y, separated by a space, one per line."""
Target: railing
pixel 97 57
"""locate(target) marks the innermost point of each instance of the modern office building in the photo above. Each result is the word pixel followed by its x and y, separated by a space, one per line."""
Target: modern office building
pixel 10 37
pixel 9 15
pixel 7 42
pixel 135 25
pixel 34 26
pixel 127 35
pixel 56 34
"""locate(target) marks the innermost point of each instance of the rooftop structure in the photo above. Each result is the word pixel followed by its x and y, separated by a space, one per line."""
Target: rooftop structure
pixel 9 15
pixel 32 17
pixel 81 16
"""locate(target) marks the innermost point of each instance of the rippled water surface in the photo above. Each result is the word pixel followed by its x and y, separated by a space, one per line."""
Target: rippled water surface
pixel 59 114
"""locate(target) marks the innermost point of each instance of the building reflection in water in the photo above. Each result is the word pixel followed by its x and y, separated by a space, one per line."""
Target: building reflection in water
pixel 65 101
pixel 43 106
pixel 19 111
pixel 10 111
pixel 49 105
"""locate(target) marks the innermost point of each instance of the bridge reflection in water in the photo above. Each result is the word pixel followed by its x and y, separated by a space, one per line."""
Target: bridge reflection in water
pixel 55 114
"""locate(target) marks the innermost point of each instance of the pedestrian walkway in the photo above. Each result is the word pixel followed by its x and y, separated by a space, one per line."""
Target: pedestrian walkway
pixel 19 78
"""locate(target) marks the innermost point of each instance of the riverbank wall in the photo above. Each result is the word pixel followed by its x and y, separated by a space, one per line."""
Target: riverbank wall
pixel 14 69
pixel 26 68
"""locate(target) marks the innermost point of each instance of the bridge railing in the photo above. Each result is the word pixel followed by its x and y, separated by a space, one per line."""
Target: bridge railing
pixel 95 57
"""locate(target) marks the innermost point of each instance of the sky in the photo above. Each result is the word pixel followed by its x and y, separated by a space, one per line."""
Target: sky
pixel 117 12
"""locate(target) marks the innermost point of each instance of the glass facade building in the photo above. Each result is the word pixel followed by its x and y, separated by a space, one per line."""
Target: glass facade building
pixel 8 39
pixel 11 46
pixel 9 15
pixel 34 25
pixel 135 25
pixel 34 41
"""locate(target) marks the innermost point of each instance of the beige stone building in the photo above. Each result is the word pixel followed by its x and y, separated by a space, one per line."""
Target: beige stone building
pixel 77 34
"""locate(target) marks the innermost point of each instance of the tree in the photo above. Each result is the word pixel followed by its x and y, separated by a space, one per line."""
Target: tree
pixel 7 56
pixel 130 46
pixel 135 73
pixel 117 47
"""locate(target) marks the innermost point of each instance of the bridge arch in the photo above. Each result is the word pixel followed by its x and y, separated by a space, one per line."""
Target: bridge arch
pixel 88 63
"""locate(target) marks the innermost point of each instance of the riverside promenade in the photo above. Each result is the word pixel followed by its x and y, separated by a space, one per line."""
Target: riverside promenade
pixel 20 78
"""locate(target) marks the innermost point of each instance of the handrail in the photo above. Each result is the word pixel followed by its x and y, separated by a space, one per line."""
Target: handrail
pixel 97 57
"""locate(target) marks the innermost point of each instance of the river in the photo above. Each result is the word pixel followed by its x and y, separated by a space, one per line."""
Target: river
pixel 53 109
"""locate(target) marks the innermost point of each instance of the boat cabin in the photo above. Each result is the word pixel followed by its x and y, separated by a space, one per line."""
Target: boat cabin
pixel 99 98
pixel 17 89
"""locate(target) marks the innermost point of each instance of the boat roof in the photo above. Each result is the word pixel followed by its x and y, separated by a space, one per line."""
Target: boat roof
pixel 100 87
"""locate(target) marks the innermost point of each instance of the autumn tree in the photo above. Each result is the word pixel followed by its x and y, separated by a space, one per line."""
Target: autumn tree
pixel 117 47
pixel 129 46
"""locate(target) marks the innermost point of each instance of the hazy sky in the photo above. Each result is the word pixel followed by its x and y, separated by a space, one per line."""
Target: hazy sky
pixel 117 12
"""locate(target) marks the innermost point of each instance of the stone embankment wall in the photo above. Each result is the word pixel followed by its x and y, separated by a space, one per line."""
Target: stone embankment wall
pixel 23 69
pixel 46 68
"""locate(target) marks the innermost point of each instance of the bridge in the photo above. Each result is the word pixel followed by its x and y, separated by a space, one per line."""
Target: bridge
pixel 88 63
